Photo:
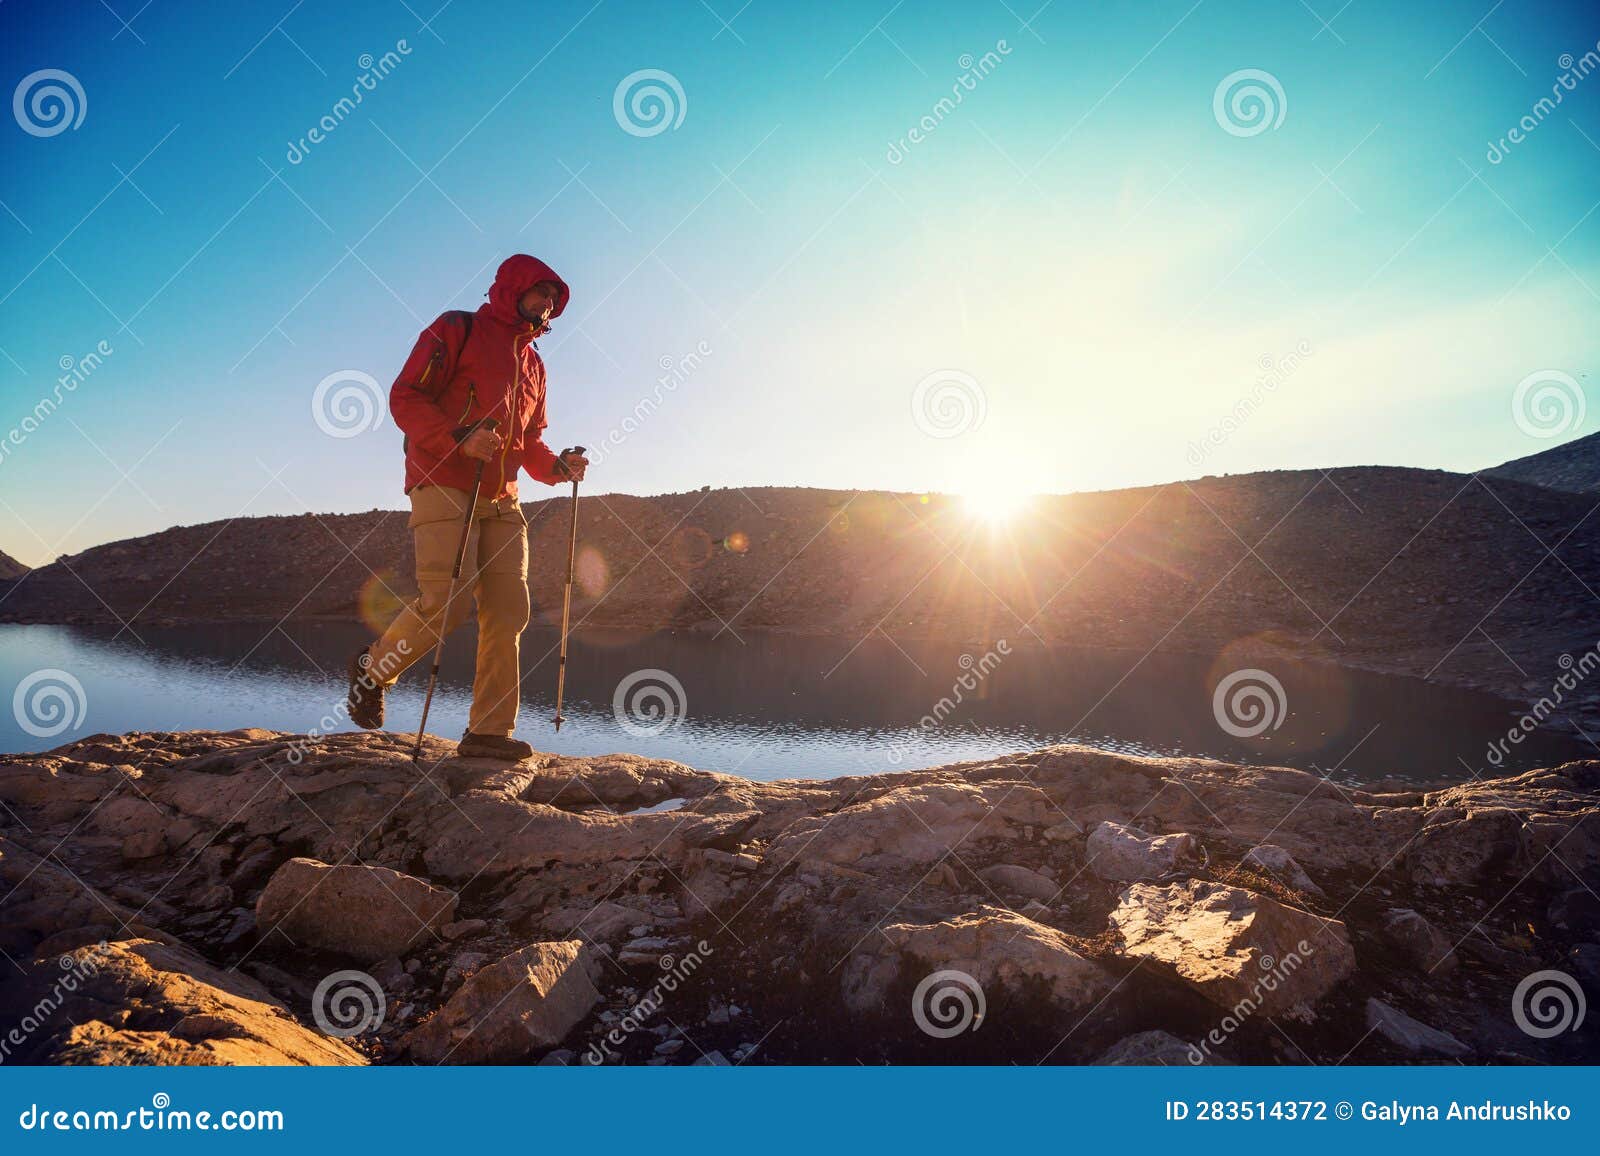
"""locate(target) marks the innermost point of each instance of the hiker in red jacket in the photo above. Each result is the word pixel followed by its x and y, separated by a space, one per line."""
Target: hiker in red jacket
pixel 464 368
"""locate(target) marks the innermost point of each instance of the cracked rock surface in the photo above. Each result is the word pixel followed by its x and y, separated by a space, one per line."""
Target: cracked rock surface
pixel 258 897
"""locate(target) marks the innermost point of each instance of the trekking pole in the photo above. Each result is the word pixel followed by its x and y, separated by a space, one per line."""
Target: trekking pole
pixel 566 598
pixel 455 577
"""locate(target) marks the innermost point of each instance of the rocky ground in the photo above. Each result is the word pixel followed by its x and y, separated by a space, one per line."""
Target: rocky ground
pixel 260 897
pixel 1469 579
pixel 1574 466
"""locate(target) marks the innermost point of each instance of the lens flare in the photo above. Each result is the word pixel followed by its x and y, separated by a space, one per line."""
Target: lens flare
pixel 994 505
pixel 377 602
pixel 593 574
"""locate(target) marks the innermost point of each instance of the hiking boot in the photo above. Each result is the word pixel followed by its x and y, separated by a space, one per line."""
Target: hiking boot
pixel 366 693
pixel 509 750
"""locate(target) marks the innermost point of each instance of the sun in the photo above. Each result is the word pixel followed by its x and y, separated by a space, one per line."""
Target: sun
pixel 994 505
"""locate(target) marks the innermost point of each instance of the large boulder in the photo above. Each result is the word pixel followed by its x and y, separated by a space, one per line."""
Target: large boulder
pixel 1471 848
pixel 367 913
pixel 995 947
pixel 525 1003
pixel 1242 950
pixel 1126 854
pixel 136 1001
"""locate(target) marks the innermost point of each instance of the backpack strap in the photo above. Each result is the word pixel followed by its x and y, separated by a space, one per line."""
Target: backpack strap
pixel 442 366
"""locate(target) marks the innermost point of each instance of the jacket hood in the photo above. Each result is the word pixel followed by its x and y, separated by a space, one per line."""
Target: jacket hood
pixel 516 275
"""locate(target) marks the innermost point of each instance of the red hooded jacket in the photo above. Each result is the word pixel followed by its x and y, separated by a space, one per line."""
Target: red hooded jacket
pixel 455 377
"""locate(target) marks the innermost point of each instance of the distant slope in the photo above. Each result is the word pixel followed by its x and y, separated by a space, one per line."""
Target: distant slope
pixel 10 568
pixel 1460 577
pixel 1574 466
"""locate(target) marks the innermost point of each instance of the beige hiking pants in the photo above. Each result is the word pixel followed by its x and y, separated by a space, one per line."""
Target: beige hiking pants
pixel 494 572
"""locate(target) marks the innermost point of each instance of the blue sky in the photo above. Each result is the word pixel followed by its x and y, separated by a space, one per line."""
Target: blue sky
pixel 1080 252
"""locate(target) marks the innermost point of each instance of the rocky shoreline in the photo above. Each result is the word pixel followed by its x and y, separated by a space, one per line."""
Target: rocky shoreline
pixel 1471 580
pixel 260 897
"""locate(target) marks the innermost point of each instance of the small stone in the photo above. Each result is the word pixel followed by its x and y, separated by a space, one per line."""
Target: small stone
pixel 713 1060
pixel 734 862
pixel 1127 854
pixel 146 844
pixel 1154 1048
pixel 1281 865
pixel 462 928
pixel 1577 911
pixel 792 895
pixel 213 897
pixel 1419 941
pixel 1412 1035
pixel 244 924
pixel 388 972
pixel 665 1047
pixel 1016 880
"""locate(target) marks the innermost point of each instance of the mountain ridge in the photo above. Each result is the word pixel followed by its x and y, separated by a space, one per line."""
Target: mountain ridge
pixel 1469 578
